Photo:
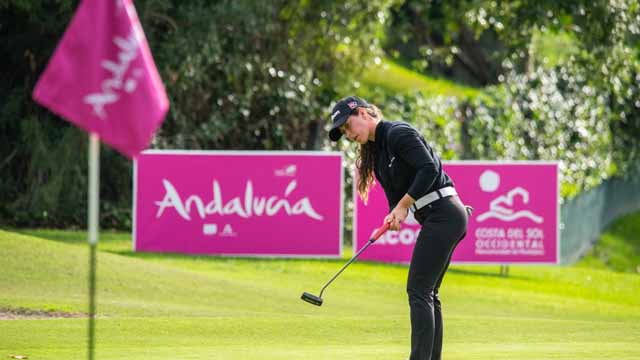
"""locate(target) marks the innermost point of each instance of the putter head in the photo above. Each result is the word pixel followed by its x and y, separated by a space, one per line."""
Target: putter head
pixel 311 299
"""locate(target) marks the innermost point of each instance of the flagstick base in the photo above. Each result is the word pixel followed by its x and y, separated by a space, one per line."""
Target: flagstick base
pixel 92 299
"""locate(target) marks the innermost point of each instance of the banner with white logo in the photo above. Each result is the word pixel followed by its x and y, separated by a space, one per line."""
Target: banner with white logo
pixel 239 203
pixel 515 219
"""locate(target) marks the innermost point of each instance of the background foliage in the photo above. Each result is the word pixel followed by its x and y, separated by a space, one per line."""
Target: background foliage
pixel 559 82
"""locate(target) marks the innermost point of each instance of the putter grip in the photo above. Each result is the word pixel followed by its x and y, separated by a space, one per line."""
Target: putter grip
pixel 381 230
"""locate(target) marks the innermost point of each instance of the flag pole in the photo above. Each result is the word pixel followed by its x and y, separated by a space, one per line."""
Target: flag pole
pixel 94 189
pixel 81 97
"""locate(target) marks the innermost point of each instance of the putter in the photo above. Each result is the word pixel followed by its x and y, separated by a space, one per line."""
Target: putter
pixel 317 300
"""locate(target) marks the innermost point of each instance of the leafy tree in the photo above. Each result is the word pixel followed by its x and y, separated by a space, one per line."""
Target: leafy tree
pixel 607 36
pixel 434 34
pixel 255 74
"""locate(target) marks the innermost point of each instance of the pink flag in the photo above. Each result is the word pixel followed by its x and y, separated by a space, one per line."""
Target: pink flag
pixel 103 79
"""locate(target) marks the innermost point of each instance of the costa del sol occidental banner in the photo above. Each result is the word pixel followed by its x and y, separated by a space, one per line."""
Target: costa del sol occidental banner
pixel 239 203
pixel 515 219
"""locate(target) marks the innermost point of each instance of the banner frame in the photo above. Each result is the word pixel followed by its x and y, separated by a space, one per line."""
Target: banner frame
pixel 559 225
pixel 340 154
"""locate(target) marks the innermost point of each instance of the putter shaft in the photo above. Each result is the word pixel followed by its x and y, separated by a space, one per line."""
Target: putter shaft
pixel 345 265
pixel 373 239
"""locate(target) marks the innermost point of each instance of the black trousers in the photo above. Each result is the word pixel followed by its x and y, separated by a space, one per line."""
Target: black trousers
pixel 444 225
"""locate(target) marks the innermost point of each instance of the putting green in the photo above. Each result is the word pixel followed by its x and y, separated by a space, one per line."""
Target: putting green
pixel 178 307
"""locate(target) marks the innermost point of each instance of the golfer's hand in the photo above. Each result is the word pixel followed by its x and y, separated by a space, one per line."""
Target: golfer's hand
pixel 396 217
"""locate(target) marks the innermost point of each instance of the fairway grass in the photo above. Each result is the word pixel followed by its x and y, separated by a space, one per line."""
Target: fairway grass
pixel 154 306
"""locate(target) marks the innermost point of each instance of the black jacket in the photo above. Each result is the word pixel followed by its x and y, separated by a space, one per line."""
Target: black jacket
pixel 405 163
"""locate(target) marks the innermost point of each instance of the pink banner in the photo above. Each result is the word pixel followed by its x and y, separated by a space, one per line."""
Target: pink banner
pixel 102 78
pixel 515 219
pixel 239 203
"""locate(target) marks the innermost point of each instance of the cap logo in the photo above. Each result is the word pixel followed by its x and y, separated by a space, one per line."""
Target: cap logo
pixel 352 105
pixel 333 116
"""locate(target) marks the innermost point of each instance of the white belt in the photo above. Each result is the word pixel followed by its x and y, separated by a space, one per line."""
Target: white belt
pixel 433 196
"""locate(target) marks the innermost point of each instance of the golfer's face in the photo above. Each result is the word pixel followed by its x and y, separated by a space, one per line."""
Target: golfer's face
pixel 355 129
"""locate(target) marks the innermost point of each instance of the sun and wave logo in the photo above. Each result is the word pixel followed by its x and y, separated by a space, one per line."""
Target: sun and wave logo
pixel 501 208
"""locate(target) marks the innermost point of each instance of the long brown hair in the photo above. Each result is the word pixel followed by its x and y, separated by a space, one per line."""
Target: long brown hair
pixel 366 159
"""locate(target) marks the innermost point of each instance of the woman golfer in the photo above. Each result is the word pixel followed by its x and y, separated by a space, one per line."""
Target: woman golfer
pixel 412 177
